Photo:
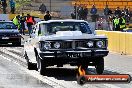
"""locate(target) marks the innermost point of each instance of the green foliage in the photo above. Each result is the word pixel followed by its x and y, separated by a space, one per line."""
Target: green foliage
pixel 20 3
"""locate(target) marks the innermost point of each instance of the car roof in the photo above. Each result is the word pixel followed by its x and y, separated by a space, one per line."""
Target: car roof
pixel 66 20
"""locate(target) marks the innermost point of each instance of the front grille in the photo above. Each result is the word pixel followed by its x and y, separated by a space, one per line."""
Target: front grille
pixel 66 45
pixel 76 44
pixel 73 44
pixel 81 44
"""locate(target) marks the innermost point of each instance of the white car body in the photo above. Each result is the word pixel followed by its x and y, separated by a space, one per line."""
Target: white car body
pixel 33 46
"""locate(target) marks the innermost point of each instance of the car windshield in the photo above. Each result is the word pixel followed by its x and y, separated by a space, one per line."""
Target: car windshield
pixel 7 25
pixel 69 26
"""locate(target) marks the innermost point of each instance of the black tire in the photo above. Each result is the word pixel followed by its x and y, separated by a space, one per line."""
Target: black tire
pixel 100 65
pixel 41 66
pixel 30 66
pixel 81 80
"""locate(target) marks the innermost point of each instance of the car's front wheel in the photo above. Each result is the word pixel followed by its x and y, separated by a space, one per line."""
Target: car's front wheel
pixel 41 66
pixel 100 65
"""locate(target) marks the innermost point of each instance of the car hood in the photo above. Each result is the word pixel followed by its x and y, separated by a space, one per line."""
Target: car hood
pixel 8 31
pixel 70 36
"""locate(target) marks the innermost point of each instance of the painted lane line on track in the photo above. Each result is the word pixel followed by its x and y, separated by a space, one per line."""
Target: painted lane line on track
pixel 5 58
pixel 36 75
pixel 60 81
pixel 40 77
pixel 51 78
pixel 16 50
pixel 14 55
pixel 51 81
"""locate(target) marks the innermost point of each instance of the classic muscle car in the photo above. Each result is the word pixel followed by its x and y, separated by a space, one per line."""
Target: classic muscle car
pixel 59 42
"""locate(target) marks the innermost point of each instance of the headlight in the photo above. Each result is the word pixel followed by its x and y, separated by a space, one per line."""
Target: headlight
pixel 90 44
pixel 100 44
pixel 56 45
pixel 47 45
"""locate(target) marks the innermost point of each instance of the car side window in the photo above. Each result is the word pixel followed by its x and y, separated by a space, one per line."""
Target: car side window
pixel 42 29
pixel 39 30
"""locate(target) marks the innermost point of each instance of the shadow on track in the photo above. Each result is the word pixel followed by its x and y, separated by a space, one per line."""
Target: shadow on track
pixel 62 73
pixel 69 74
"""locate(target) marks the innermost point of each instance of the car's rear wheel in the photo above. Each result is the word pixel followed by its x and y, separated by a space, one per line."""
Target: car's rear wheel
pixel 41 66
pixel 30 66
pixel 81 80
pixel 100 65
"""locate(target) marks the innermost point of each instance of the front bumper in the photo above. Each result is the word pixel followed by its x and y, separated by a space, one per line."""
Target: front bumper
pixel 72 57
pixel 7 40
pixel 73 54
